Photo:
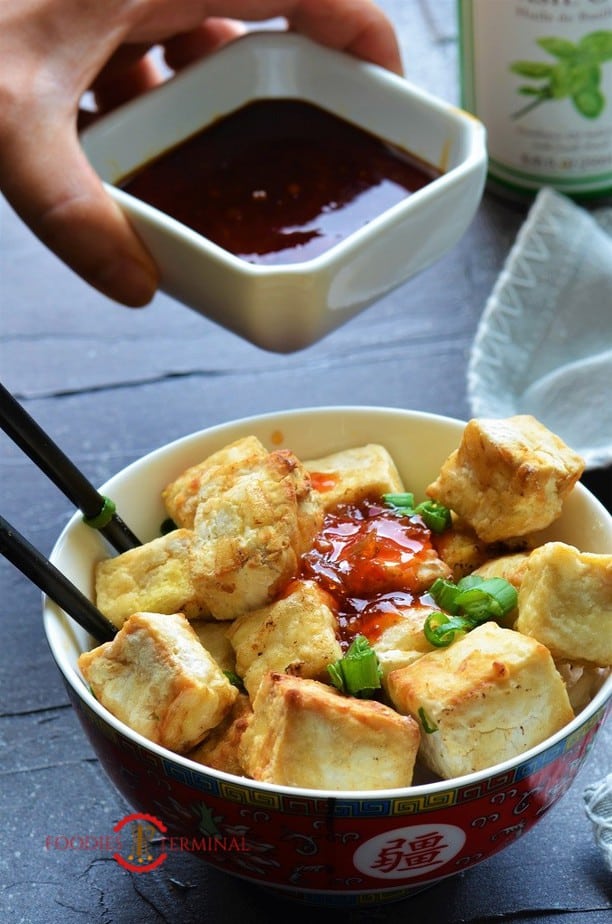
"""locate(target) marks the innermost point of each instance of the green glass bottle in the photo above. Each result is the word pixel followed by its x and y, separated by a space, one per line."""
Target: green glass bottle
pixel 538 73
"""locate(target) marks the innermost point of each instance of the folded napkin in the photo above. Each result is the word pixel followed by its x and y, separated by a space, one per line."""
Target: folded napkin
pixel 544 342
pixel 598 806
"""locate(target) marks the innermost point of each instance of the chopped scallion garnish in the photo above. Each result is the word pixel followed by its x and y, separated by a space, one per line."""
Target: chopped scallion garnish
pixel 429 727
pixel 442 630
pixel 495 595
pixel 473 600
pixel 405 499
pixel 358 673
pixel 235 680
pixel 436 516
pixel 444 593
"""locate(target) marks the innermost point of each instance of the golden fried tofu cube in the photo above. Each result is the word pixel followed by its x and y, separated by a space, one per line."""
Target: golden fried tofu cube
pixel 250 537
pixel 393 659
pixel 353 475
pixel 182 496
pixel 565 601
pixel 294 635
pixel 213 637
pixel 401 640
pixel 510 567
pixel 156 577
pixel 157 678
pixel 486 698
pixel 460 548
pixel 508 477
pixel 221 747
pixel 305 733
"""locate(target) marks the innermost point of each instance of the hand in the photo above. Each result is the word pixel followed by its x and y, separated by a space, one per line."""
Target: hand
pixel 53 51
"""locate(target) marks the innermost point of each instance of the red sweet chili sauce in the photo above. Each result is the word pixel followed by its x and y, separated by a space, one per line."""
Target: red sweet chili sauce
pixel 366 557
pixel 279 180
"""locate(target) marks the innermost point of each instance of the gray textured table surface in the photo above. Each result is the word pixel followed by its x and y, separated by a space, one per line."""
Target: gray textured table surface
pixel 110 385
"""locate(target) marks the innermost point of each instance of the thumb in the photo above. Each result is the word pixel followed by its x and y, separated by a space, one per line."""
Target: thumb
pixel 48 180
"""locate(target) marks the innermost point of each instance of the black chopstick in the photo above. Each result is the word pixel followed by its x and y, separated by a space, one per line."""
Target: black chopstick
pixel 97 510
pixel 51 581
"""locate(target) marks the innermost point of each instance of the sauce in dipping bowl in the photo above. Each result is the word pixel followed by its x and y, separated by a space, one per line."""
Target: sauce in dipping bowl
pixel 279 180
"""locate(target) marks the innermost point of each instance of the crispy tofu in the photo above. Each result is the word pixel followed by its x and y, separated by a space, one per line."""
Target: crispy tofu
pixel 353 475
pixel 212 636
pixel 304 733
pixel 294 635
pixel 508 477
pixel 486 698
pixel 251 534
pixel 401 641
pixel 221 747
pixel 182 496
pixel 460 548
pixel 565 601
pixel 510 567
pixel 157 678
pixel 156 577
pixel 392 659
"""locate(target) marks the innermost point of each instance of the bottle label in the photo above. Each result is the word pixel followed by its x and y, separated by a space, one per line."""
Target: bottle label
pixel 538 73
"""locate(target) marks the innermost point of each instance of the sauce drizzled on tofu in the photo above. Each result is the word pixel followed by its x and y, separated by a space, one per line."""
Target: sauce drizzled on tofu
pixel 279 180
pixel 367 559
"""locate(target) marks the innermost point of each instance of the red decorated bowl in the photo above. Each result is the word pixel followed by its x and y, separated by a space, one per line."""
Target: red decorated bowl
pixel 323 847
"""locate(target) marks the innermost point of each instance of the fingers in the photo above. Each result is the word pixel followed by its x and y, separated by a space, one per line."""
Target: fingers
pixel 355 26
pixel 188 47
pixel 62 200
pixel 128 73
pixel 132 71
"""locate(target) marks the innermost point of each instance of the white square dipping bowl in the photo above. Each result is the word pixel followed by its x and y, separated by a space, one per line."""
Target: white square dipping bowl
pixel 289 306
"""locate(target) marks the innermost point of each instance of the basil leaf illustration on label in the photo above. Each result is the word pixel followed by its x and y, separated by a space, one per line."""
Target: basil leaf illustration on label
pixel 576 76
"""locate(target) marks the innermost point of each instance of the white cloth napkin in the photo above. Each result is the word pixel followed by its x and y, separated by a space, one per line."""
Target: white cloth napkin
pixel 544 342
pixel 598 806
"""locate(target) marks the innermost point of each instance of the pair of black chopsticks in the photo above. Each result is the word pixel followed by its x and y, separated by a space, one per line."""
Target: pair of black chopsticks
pixel 98 511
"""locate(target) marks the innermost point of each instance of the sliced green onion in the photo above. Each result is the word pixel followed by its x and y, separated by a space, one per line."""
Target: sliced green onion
pixel 358 673
pixel 469 581
pixel 401 501
pixel 492 598
pixel 502 591
pixel 470 602
pixel 235 680
pixel 442 630
pixel 445 593
pixel 436 516
pixel 475 596
pixel 478 605
pixel 429 727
